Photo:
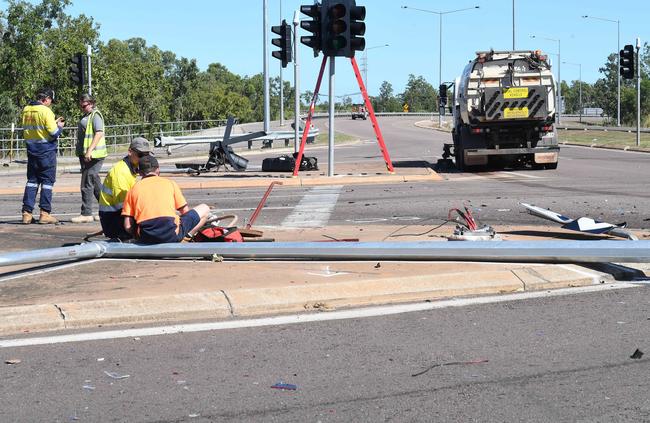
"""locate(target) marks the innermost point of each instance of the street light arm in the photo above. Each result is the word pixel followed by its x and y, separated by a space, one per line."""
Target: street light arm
pixel 600 19
pixel 421 10
pixel 459 10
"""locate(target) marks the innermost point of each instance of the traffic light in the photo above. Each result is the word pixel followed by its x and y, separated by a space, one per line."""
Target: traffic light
pixel 344 28
pixel 627 62
pixel 284 42
pixel 336 32
pixel 314 26
pixel 78 70
pixel 357 28
pixel 443 95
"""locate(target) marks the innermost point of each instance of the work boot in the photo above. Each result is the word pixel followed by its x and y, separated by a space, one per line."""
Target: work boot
pixel 47 218
pixel 27 218
pixel 82 219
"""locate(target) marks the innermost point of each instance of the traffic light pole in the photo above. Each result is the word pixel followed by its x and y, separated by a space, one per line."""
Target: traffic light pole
pixel 310 115
pixel 281 85
pixel 330 156
pixel 638 92
pixel 296 80
pixel 90 70
pixel 265 52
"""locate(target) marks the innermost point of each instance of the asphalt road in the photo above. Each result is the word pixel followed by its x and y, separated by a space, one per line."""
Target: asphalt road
pixel 603 184
pixel 562 359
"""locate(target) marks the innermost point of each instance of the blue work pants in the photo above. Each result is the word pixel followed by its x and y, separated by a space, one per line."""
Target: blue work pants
pixel 41 171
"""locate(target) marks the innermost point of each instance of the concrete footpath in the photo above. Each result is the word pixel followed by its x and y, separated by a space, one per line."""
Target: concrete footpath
pixel 107 292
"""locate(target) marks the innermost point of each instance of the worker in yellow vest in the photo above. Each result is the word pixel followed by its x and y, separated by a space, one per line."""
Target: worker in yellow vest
pixel 91 150
pixel 41 131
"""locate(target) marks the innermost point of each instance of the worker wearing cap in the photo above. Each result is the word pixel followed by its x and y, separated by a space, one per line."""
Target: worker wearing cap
pixel 119 180
pixel 91 150
pixel 41 132
pixel 152 206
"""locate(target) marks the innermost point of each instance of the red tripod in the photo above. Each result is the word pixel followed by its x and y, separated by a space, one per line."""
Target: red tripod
pixel 371 112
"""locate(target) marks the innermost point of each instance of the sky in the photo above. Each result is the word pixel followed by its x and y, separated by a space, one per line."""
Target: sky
pixel 230 32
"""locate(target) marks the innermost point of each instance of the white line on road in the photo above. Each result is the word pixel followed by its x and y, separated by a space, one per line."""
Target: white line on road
pixel 315 208
pixel 46 270
pixel 524 175
pixel 306 318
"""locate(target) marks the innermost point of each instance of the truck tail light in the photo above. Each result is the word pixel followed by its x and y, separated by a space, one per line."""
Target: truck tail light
pixel 547 128
pixel 477 130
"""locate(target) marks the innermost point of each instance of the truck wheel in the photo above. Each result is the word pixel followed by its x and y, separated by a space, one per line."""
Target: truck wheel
pixel 551 166
pixel 459 158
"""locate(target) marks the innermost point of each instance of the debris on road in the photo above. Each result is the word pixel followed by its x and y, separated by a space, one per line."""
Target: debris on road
pixel 284 386
pixel 378 265
pixel 452 363
pixel 114 375
pixel 12 361
pixel 88 387
pixel 637 354
pixel 581 224
pixel 468 229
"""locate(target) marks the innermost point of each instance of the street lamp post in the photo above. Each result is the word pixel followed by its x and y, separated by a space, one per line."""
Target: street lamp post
pixel 559 75
pixel 365 62
pixel 579 65
pixel 440 14
pixel 618 63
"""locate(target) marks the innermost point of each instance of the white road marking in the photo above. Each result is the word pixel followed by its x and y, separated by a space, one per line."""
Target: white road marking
pixel 315 208
pixel 525 175
pixel 306 318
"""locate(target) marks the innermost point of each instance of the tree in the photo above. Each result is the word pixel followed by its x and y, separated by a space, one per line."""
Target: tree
pixel 419 94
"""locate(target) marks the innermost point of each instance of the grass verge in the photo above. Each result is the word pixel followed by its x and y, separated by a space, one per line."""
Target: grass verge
pixel 612 139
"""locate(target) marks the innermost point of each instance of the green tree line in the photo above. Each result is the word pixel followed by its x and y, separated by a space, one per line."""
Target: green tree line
pixel 133 81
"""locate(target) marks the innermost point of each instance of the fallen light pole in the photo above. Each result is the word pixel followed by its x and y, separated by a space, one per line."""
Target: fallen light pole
pixel 480 251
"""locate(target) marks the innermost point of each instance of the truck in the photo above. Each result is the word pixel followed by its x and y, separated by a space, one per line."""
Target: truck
pixel 359 112
pixel 504 106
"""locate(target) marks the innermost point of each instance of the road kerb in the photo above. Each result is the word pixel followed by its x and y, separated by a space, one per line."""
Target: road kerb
pixel 32 318
pixel 166 308
pixel 219 305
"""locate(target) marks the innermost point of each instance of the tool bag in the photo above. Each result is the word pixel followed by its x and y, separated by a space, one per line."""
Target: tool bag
pixel 286 163
pixel 218 234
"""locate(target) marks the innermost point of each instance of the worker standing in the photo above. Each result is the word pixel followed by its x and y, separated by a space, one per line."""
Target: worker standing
pixel 91 150
pixel 41 133
pixel 151 206
pixel 119 180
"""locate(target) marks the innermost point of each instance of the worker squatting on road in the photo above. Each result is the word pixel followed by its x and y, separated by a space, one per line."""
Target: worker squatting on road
pixel 119 180
pixel 150 208
pixel 41 133
pixel 91 150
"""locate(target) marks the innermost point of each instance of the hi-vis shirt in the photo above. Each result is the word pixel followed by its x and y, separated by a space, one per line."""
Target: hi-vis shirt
pixel 119 180
pixel 40 130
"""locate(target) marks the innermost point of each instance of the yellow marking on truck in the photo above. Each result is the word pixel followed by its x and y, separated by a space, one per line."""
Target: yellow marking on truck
pixel 515 113
pixel 518 92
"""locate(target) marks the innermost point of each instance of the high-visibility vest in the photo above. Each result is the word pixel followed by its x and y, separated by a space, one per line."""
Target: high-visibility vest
pixel 100 150
pixel 118 182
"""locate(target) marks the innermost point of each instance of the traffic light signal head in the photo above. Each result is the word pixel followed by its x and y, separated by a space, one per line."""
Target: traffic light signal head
pixel 284 42
pixel 315 26
pixel 443 94
pixel 343 27
pixel 626 59
pixel 78 70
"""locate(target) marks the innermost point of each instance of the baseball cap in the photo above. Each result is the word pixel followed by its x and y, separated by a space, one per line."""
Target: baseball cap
pixel 148 164
pixel 140 145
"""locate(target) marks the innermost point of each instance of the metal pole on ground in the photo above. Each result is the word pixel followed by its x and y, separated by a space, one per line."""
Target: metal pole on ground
pixel 296 81
pixel 330 157
pixel 265 52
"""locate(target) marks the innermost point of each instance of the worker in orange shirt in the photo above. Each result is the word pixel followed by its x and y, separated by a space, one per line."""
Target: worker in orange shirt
pixel 151 206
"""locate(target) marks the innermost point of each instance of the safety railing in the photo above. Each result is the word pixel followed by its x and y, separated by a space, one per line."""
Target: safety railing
pixel 118 137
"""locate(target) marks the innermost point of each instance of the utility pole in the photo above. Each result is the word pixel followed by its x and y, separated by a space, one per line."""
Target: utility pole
pixel 281 83
pixel 513 25
pixel 265 52
pixel 638 92
pixel 89 53
pixel 296 81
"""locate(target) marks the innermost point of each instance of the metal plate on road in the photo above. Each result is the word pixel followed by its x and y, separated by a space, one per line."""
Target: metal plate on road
pixel 518 92
pixel 515 113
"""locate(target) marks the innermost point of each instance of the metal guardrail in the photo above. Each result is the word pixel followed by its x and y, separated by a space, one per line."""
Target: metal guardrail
pixel 118 137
